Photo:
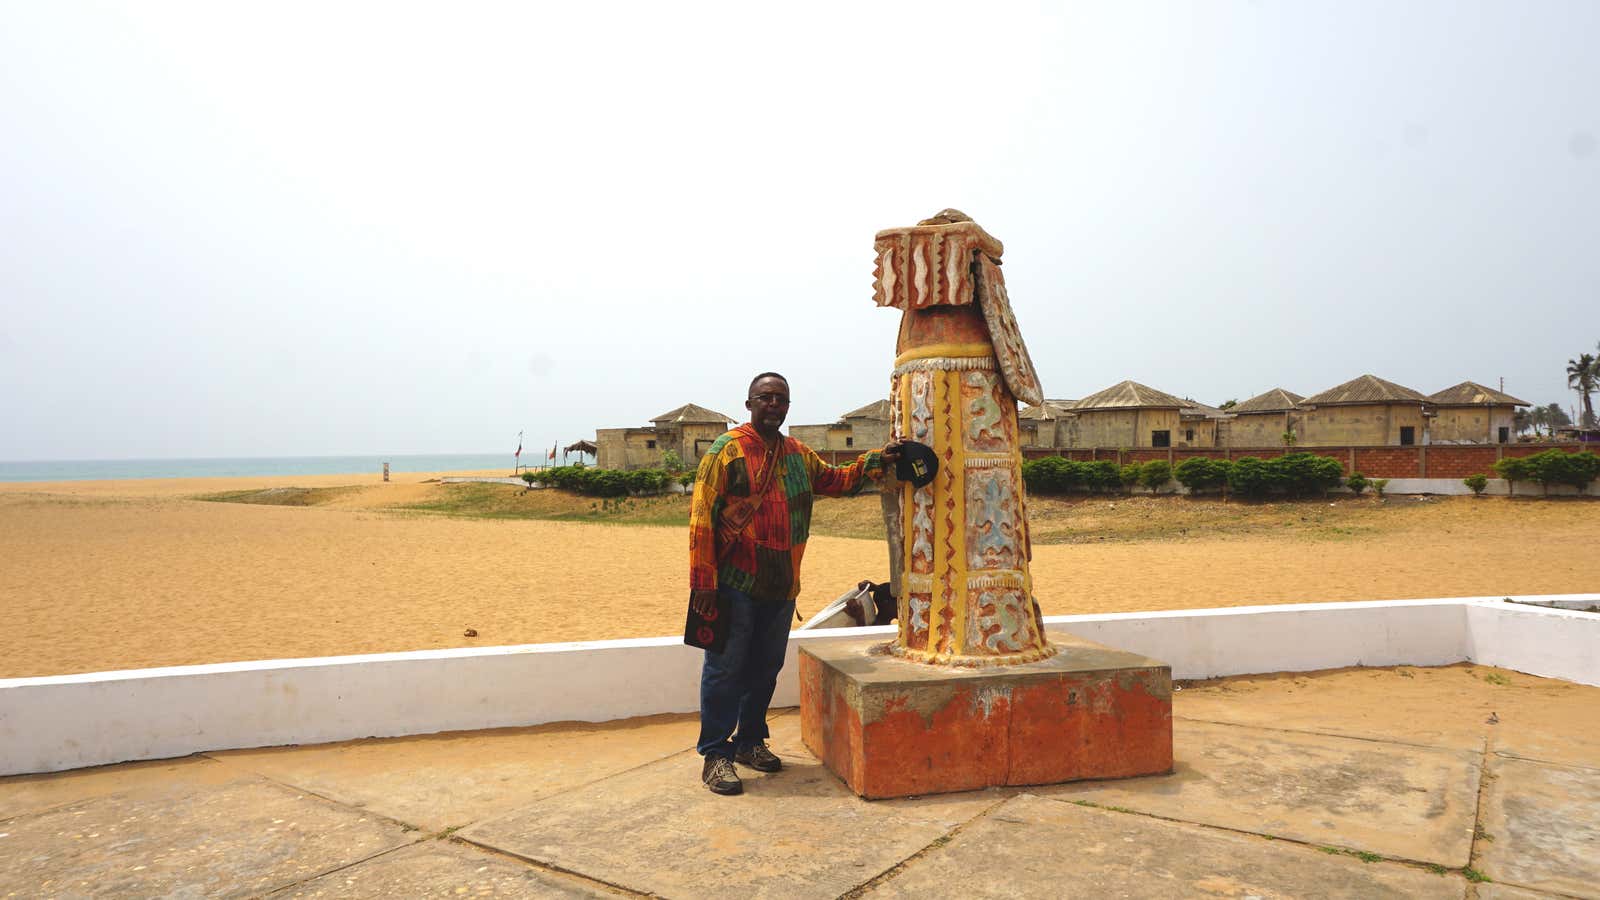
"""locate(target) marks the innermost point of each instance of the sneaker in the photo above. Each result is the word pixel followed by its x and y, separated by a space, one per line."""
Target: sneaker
pixel 758 757
pixel 719 776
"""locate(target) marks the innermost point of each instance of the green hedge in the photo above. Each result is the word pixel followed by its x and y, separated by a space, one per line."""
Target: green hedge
pixel 1297 474
pixel 605 482
pixel 1550 467
pixel 1054 475
pixel 1200 473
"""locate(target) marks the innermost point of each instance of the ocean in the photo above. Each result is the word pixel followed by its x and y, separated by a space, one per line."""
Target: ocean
pixel 97 469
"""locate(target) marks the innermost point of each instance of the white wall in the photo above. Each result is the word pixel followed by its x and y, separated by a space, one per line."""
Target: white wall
pixel 70 721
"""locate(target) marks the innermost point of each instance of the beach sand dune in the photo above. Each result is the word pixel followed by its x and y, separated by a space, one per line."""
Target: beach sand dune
pixel 113 575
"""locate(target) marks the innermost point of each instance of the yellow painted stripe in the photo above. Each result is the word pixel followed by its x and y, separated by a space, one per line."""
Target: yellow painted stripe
pixel 932 350
pixel 958 469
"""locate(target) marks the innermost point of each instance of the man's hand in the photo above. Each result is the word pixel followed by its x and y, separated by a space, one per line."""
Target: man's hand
pixel 703 602
pixel 891 452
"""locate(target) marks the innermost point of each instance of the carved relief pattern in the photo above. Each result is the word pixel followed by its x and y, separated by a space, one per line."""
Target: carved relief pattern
pixel 983 409
pixel 922 530
pixel 921 406
pixel 993 524
pixel 1015 363
pixel 1002 622
pixel 917 638
pixel 922 267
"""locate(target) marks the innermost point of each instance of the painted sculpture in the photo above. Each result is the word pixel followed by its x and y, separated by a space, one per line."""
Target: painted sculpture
pixel 959 547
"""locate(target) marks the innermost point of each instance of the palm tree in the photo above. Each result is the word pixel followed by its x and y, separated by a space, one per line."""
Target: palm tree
pixel 1538 417
pixel 1583 374
pixel 1521 420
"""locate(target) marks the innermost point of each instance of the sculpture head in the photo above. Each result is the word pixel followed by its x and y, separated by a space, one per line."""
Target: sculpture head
pixel 946 217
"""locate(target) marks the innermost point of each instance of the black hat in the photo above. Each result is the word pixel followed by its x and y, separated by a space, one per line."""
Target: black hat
pixel 917 463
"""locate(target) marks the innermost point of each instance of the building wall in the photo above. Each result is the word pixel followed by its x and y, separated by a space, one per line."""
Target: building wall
pixel 832 436
pixel 1039 433
pixel 1205 433
pixel 1471 424
pixel 693 441
pixel 869 434
pixel 1123 427
pixel 627 448
pixel 1260 429
pixel 1047 434
pixel 1360 424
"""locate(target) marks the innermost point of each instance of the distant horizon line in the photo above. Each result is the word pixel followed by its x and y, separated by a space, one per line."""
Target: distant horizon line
pixel 378 456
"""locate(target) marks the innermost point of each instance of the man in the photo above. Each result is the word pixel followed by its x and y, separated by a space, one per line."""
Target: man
pixel 747 533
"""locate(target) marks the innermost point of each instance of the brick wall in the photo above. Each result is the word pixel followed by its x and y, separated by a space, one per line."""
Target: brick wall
pixel 1461 461
pixel 1179 456
pixel 1389 462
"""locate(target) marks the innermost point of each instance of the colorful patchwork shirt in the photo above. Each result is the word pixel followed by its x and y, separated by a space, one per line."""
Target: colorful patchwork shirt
pixel 759 554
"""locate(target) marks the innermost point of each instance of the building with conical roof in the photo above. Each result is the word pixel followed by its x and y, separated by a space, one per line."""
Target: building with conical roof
pixel 1130 414
pixel 686 431
pixel 1050 424
pixel 1470 413
pixel 861 429
pixel 1364 411
pixel 1262 420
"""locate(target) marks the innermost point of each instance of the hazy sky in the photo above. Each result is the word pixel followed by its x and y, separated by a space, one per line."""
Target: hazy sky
pixel 269 229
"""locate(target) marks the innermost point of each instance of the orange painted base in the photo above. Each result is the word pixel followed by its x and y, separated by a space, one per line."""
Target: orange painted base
pixel 892 728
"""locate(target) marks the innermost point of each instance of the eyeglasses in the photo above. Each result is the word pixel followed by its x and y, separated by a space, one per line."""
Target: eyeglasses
pixel 771 399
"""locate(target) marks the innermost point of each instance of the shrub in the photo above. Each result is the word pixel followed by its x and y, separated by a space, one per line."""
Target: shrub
pixel 606 482
pixel 1378 484
pixel 1513 469
pixel 1051 475
pixel 1300 473
pixel 1199 473
pixel 1155 473
pixel 671 461
pixel 1128 476
pixel 686 479
pixel 1560 467
pixel 1477 483
pixel 646 481
pixel 581 480
pixel 1251 476
pixel 1357 482
pixel 1101 475
pixel 1582 468
pixel 529 477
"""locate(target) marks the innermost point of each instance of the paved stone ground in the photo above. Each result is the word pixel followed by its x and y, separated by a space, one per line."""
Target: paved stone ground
pixel 1283 787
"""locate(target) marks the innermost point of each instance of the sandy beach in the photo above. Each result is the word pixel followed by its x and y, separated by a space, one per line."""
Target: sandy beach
pixel 129 574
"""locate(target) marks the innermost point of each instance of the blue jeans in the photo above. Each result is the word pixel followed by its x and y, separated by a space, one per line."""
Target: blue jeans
pixel 736 685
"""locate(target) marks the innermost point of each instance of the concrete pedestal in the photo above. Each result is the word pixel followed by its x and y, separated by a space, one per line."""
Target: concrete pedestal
pixel 893 728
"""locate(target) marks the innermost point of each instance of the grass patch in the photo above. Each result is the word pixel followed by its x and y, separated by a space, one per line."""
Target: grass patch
pixel 1497 678
pixel 1362 855
pixel 1474 876
pixel 280 496
pixel 480 500
pixel 1436 869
